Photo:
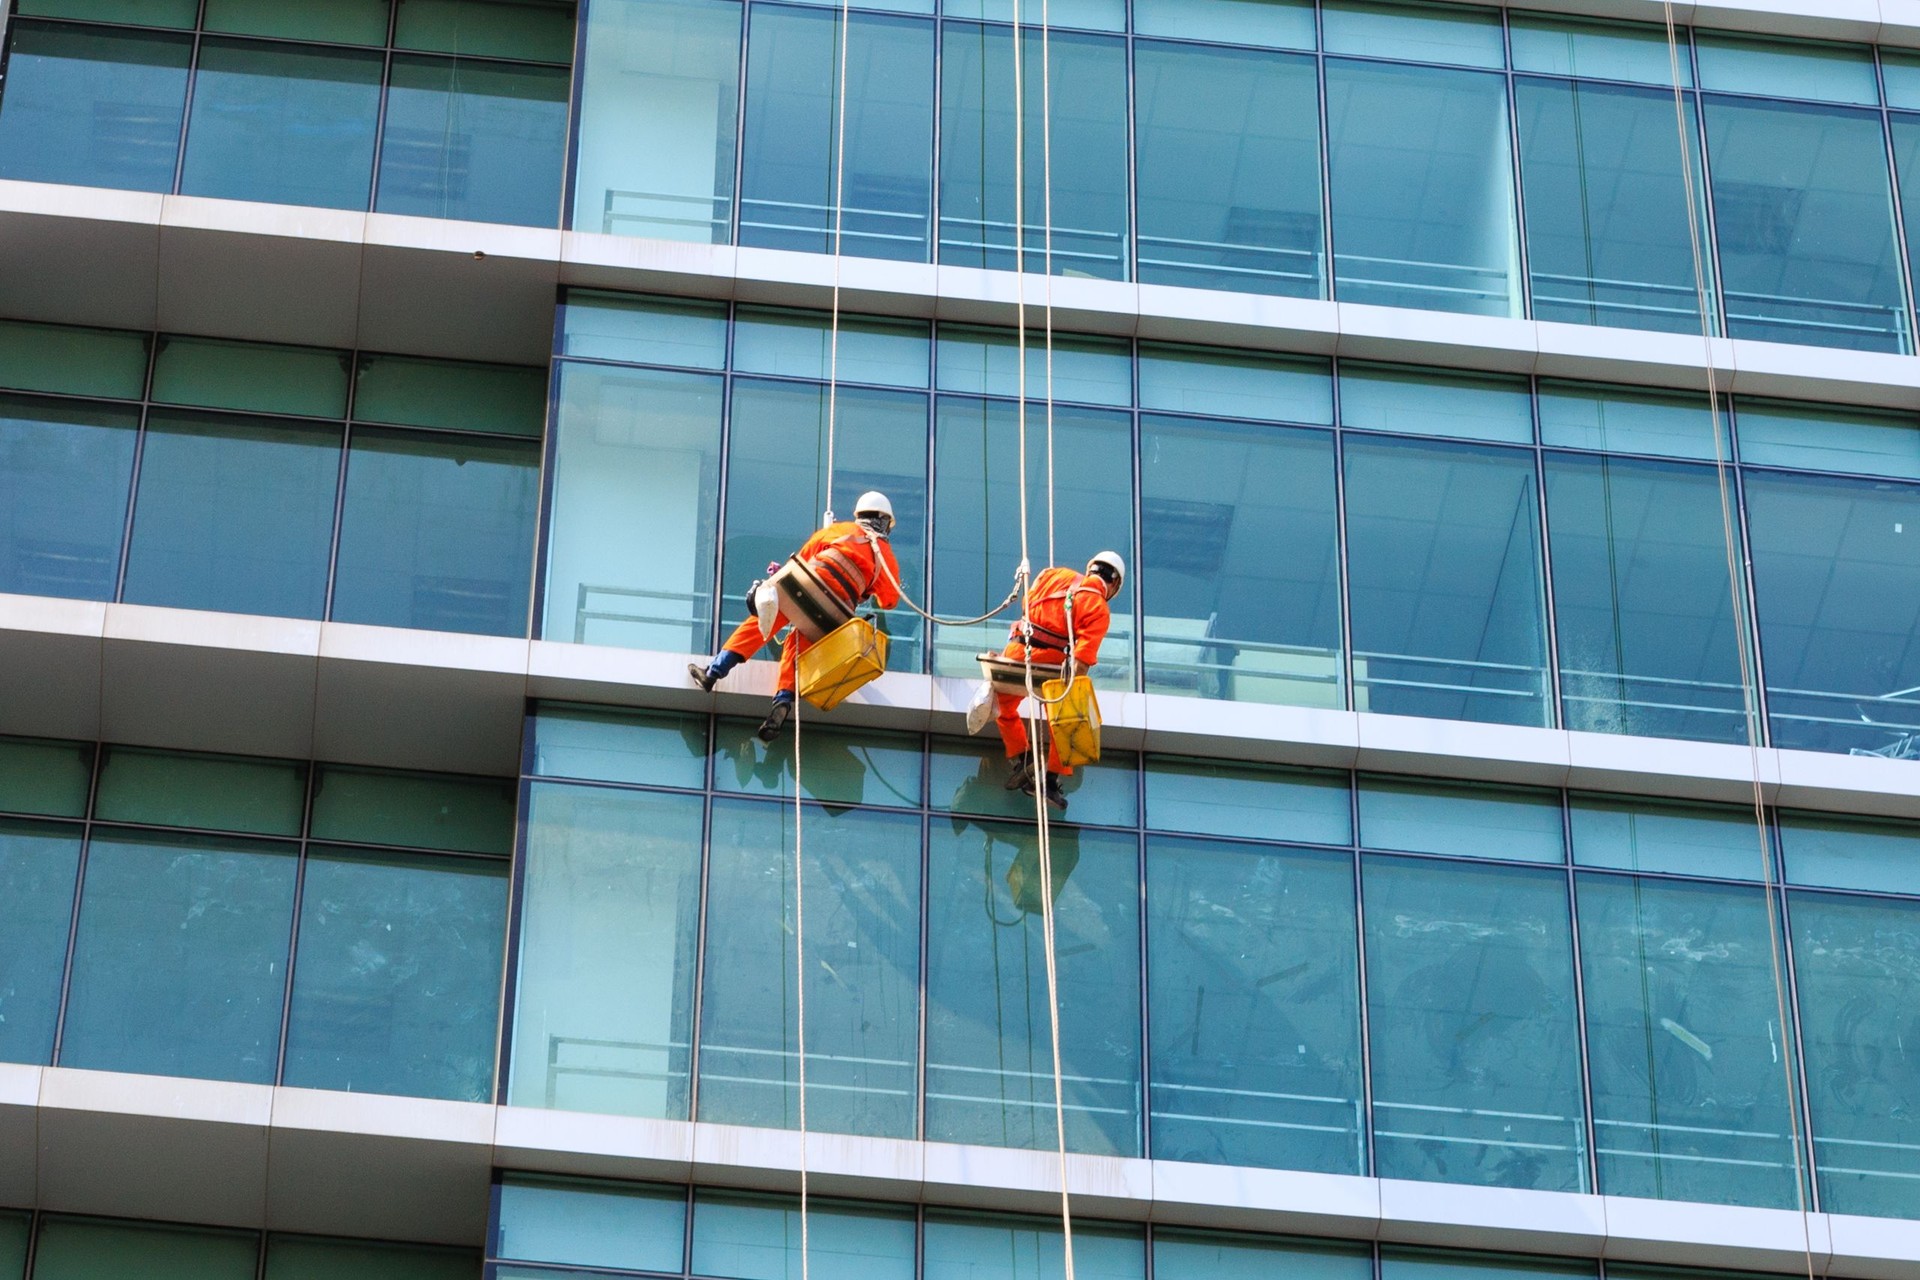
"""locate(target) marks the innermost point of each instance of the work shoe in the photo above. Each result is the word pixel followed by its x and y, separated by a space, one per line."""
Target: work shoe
pixel 1020 775
pixel 777 717
pixel 702 676
pixel 1055 796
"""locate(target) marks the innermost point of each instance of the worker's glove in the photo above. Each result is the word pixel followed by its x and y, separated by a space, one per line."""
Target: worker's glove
pixel 1070 670
pixel 878 621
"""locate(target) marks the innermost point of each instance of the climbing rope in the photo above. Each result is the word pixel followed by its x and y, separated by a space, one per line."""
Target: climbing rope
pixel 1771 892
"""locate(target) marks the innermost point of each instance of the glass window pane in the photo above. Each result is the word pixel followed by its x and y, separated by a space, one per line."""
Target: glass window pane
pixel 483 142
pixel 776 486
pixel 92 107
pixel 64 473
pixel 1649 636
pixel 1192 1255
pixel 658 748
pixel 1777 69
pixel 1858 853
pixel 63 358
pixel 1235 384
pixel 314 1258
pixel 1858 981
pixel 437 532
pixel 1588 415
pixel 405 392
pixel 541 30
pixel 976 535
pixel 638 465
pixel 799 344
pixel 1899 74
pixel 1434 402
pixel 1837 589
pixel 842 766
pixel 1255 801
pixel 1601 50
pixel 42 776
pixel 742 1237
pixel 332 21
pixel 1093 15
pixel 179 965
pixel 1633 834
pixel 603 1010
pixel 249 375
pixel 139 13
pixel 987 362
pixel 1222 615
pixel 1475 1062
pixel 14 1235
pixel 38 862
pixel 1466 820
pixel 658 105
pixel 1274 24
pixel 1443 548
pixel 796 110
pixel 989 1046
pixel 1415 32
pixel 1804 213
pixel 396 986
pixel 597 1224
pixel 863 947
pixel 966 777
pixel 1777 433
pixel 607 326
pixel 1402 1263
pixel 90 1248
pixel 1228 152
pixel 1608 241
pixel 219 793
pixel 979 1247
pixel 1684 1040
pixel 1423 212
pixel 288 124
pixel 421 810
pixel 1089 146
pixel 1254 1006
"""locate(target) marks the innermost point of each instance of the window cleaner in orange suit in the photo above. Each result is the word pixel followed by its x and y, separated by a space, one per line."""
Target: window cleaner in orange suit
pixel 1058 596
pixel 843 556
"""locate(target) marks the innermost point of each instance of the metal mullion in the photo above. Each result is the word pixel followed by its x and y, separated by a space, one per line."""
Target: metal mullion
pixel 73 916
pixel 1709 237
pixel 1760 733
pixel 699 982
pixel 1372 1163
pixel 1579 994
pixel 549 466
pixel 1130 242
pixel 380 113
pixel 1549 617
pixel 723 477
pixel 1350 692
pixel 293 930
pixel 925 908
pixel 1899 206
pixel 186 103
pixel 739 142
pixel 576 92
pixel 1794 1034
pixel 1325 137
pixel 686 1240
pixel 260 1256
pixel 1144 972
pixel 1519 205
pixel 515 922
pixel 339 519
pixel 1137 545
pixel 144 411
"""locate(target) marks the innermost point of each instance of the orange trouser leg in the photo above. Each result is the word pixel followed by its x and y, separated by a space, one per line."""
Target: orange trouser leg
pixel 747 638
pixel 790 651
pixel 1013 733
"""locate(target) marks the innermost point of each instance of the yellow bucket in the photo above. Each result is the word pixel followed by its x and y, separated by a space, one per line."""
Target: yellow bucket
pixel 851 655
pixel 1073 717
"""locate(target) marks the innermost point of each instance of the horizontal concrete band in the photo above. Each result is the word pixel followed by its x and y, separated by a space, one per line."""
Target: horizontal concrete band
pixel 189 680
pixel 432 287
pixel 401 1168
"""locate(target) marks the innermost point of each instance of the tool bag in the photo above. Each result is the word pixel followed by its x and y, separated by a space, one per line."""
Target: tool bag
pixel 815 609
pixel 1073 718
pixel 851 656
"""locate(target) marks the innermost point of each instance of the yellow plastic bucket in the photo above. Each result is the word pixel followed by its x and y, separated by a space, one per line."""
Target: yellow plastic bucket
pixel 1073 717
pixel 850 656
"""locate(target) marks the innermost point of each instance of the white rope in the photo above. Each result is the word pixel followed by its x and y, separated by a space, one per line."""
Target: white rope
pixel 833 340
pixel 800 977
pixel 1749 678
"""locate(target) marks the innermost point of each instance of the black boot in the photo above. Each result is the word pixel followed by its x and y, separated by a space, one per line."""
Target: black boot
pixel 777 716
pixel 715 671
pixel 1055 796
pixel 1020 773
pixel 702 676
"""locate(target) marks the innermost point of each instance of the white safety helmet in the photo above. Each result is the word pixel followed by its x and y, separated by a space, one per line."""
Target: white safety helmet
pixel 874 511
pixel 1111 569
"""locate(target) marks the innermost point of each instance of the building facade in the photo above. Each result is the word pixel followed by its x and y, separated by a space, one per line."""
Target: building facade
pixel 1505 856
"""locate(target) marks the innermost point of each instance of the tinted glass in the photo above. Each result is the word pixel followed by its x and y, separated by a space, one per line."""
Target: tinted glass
pixel 609 326
pixel 661 748
pixel 1787 433
pixel 334 21
pixel 989 1045
pixel 603 1010
pixel 88 1249
pixel 759 1238
pixel 179 966
pixel 472 140
pixel 144 13
pixel 501 398
pixel 1462 820
pixel 1080 369
pixel 1279 24
pixel 38 863
pixel 219 793
pixel 287 124
pixel 1850 853
pixel 14 1235
pixel 538 29
pixel 978 1247
pixel 1258 802
pixel 1435 402
pixel 250 375
pixel 593 1224
pixel 1586 415
pixel 803 344
pixel 92 107
pixel 437 532
pixel 66 358
pixel 396 986
pixel 422 810
pixel 1603 50
pixel 840 766
pixel 310 1258
pixel 1228 150
pixel 965 777
pixel 234 514
pixel 1234 384
pixel 64 473
pixel 1417 32
pixel 1650 835
pixel 43 776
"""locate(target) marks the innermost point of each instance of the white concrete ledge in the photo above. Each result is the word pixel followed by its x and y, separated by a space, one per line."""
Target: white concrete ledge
pixel 399 1168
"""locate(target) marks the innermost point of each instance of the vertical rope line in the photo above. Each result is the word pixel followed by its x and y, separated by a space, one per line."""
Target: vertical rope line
pixel 1046 225
pixel 1020 273
pixel 1749 680
pixel 800 978
pixel 833 340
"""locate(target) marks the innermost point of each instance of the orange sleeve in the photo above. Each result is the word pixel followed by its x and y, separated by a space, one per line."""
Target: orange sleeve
pixel 1091 618
pixel 885 593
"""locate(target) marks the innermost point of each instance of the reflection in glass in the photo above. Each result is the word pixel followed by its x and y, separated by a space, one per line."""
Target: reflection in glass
pixel 967 777
pixel 979 1247
pixel 604 1224
pixel 1228 151
pixel 841 766
pixel 85 1248
pixel 863 972
pixel 1224 616
pixel 64 472
pixel 479 141
pixel 38 862
pixel 1607 231
pixel 793 116
pixel 1253 1005
pixel 989 1046
pixel 656 748
pixel 1684 1042
pixel 638 466
pixel 603 1005
pixel 1192 1255
pixel 1443 549
pixel 1256 801
pixel 1461 820
pixel 753 1237
pixel 1470 1005
pixel 1802 205
pixel 1401 1262
pixel 1422 183
pixel 1649 640
pixel 93 107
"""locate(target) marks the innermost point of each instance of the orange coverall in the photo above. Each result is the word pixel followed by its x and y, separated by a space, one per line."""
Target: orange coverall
pixel 842 556
pixel 1046 610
